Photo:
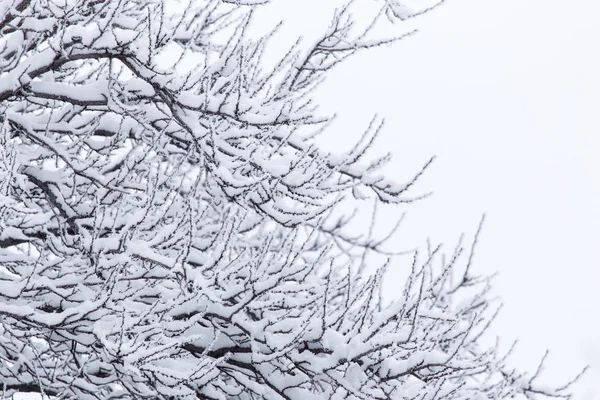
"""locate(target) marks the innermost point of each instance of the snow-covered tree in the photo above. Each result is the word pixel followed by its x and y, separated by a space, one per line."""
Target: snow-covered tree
pixel 169 228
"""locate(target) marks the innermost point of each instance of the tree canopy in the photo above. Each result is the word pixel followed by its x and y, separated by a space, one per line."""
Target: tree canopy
pixel 169 228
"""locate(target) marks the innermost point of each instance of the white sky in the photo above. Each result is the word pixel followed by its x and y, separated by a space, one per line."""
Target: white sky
pixel 507 95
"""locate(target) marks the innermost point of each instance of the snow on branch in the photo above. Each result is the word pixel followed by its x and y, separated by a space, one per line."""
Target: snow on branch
pixel 169 228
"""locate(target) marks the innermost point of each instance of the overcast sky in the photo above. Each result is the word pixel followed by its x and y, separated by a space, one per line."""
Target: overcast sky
pixel 506 93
